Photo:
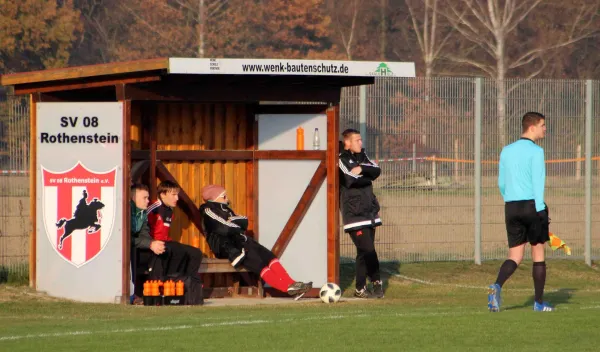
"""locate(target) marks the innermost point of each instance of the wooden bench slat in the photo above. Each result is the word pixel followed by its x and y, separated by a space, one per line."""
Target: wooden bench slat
pixel 213 265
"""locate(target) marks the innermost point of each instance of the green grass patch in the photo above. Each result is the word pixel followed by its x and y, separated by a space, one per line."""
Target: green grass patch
pixel 428 307
pixel 17 274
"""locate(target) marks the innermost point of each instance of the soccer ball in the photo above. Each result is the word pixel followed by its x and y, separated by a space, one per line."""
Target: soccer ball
pixel 330 293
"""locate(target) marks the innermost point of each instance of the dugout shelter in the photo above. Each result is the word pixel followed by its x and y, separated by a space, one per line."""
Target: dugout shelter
pixel 95 129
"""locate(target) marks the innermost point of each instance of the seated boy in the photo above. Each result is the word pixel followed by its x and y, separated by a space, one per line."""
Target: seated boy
pixel 140 232
pixel 179 259
pixel 225 234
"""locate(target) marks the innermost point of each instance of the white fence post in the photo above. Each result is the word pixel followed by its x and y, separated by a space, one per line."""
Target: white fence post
pixel 477 159
pixel 589 102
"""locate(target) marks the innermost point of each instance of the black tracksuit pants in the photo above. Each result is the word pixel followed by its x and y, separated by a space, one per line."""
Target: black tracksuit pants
pixel 257 256
pixel 181 259
pixel 367 263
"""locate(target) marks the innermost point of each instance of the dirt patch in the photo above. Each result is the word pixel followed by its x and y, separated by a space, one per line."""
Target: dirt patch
pixel 9 293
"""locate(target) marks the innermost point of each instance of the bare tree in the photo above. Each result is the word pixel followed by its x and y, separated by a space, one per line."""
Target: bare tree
pixel 182 25
pixel 431 36
pixel 103 30
pixel 383 6
pixel 489 25
pixel 201 11
pixel 346 32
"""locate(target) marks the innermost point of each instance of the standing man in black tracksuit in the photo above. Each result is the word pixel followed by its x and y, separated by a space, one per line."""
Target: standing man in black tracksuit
pixel 360 210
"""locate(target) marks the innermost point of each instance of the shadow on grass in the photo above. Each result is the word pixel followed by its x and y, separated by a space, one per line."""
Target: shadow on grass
pixel 555 298
pixel 348 275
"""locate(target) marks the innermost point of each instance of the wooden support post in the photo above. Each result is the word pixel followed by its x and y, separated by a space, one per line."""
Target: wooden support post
pixel 149 137
pixel 252 173
pixel 126 196
pixel 333 239
pixel 33 99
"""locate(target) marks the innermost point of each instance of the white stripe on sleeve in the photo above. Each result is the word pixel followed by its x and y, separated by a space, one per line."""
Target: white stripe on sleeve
pixel 345 170
pixel 219 219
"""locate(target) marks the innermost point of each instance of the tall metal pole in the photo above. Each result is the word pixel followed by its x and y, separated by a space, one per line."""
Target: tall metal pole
pixel 588 171
pixel 478 113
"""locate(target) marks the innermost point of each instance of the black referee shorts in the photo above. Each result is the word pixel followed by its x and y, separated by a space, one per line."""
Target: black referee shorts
pixel 523 224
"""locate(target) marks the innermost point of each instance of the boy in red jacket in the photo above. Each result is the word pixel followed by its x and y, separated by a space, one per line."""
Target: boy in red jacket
pixel 179 258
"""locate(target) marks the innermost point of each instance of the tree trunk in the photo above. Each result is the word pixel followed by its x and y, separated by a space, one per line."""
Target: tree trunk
pixel 501 109
pixel 383 34
pixel 428 69
pixel 501 88
pixel 427 102
pixel 201 28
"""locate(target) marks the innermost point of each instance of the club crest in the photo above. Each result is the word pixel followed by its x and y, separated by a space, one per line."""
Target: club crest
pixel 78 211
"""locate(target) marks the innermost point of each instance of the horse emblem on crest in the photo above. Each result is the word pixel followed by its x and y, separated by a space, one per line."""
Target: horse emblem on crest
pixel 78 211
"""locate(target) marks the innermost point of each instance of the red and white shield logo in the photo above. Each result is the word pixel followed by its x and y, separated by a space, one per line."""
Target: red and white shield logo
pixel 78 211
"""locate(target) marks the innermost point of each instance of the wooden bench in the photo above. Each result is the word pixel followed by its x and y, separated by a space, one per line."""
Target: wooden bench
pixel 207 266
pixel 221 266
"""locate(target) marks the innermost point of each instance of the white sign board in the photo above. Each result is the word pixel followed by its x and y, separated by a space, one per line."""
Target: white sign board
pixel 291 67
pixel 79 201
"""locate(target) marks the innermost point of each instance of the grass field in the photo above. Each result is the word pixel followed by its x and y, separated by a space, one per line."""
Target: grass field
pixel 428 307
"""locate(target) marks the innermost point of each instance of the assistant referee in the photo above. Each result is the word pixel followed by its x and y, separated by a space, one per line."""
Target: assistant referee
pixel 521 180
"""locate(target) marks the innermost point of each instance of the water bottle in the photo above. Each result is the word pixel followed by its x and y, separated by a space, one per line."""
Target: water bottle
pixel 299 138
pixel 316 140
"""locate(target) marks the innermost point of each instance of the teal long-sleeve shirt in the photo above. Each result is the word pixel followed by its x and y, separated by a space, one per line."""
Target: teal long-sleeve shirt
pixel 522 173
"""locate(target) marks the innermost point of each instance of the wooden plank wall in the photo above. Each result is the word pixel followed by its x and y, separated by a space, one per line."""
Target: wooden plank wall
pixel 189 126
pixel 135 133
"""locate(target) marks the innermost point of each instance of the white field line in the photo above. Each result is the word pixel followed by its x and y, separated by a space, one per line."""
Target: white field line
pixel 115 331
pixel 431 283
pixel 242 323
pixel 217 324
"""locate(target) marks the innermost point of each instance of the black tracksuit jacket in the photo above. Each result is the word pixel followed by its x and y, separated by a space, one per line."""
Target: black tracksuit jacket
pixel 224 230
pixel 360 208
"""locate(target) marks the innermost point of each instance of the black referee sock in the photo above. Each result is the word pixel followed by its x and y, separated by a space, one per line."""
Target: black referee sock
pixel 539 279
pixel 506 270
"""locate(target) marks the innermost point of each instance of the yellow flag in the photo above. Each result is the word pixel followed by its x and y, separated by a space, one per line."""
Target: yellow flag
pixel 556 243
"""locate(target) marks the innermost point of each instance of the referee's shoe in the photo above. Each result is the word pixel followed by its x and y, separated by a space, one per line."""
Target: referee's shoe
pixel 494 299
pixel 542 307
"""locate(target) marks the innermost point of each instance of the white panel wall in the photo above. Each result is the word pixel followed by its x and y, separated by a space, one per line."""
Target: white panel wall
pixel 281 184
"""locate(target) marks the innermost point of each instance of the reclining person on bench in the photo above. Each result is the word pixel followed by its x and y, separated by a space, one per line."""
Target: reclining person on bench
pixel 225 234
